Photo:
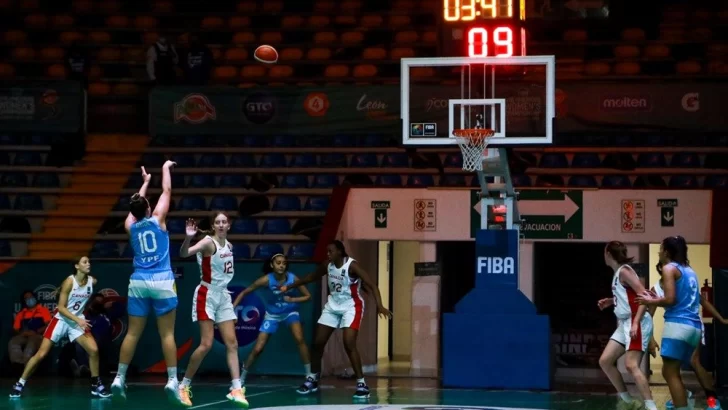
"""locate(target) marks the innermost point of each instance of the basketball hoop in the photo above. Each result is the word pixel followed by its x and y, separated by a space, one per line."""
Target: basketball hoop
pixel 473 143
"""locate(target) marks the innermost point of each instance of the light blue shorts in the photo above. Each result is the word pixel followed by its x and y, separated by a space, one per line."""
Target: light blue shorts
pixel 270 322
pixel 679 341
pixel 151 291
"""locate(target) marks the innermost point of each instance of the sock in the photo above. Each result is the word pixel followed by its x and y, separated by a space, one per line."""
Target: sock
pixel 172 372
pixel 650 405
pixel 186 382
pixel 121 373
pixel 314 376
pixel 21 381
pixel 307 368
pixel 243 374
pixel 95 380
pixel 710 393
pixel 360 381
pixel 237 384
pixel 626 397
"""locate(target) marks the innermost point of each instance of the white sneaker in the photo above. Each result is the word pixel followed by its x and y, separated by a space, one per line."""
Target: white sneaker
pixel 172 390
pixel 118 388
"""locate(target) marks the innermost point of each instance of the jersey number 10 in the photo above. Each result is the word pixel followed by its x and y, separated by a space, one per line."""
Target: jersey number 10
pixel 147 242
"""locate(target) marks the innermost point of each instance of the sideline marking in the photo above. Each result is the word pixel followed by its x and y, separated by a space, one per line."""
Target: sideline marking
pixel 246 396
pixel 392 407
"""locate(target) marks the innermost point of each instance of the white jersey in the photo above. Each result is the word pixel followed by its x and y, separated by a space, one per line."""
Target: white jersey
pixel 78 298
pixel 217 269
pixel 342 287
pixel 625 305
pixel 658 290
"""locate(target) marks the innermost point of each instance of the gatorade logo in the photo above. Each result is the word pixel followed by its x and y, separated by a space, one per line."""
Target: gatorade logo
pixel 496 266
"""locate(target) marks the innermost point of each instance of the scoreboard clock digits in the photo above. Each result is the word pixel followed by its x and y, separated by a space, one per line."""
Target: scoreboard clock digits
pixel 480 42
pixel 470 10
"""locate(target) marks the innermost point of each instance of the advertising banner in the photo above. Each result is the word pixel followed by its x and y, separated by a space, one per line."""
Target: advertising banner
pixel 281 354
pixel 56 106
pixel 496 258
pixel 263 111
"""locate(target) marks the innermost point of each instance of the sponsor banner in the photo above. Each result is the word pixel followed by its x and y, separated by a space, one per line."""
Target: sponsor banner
pixel 644 107
pixel 230 111
pixel 496 259
pixel 281 354
pixel 56 106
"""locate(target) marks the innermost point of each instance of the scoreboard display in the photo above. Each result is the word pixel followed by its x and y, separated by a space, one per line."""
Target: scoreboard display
pixel 483 28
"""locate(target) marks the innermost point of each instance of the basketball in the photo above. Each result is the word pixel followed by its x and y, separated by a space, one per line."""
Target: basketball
pixel 266 54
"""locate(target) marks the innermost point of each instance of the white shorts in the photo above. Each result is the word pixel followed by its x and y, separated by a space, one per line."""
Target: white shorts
pixel 644 333
pixel 59 328
pixel 702 332
pixel 210 303
pixel 341 315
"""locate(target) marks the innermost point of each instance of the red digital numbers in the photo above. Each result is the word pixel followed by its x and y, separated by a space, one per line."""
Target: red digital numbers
pixel 495 43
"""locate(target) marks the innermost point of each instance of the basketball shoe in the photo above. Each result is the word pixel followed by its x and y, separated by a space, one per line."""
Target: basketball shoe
pixel 362 391
pixel 237 396
pixel 99 390
pixel 669 405
pixel 309 386
pixel 16 391
pixel 713 403
pixel 185 394
pixel 173 391
pixel 118 388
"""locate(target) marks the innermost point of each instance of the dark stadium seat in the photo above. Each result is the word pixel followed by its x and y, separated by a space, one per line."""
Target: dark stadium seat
pixel 46 180
pixel 317 203
pixel 287 203
pixel 301 251
pixel 276 226
pixel 389 180
pixel 223 203
pixel 267 250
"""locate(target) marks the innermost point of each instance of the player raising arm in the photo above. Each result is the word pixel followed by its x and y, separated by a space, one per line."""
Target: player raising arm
pixel 344 310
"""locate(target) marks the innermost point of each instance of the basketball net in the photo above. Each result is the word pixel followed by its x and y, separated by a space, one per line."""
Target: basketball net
pixel 473 143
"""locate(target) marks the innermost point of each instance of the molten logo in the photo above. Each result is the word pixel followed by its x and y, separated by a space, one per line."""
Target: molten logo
pixel 194 109
pixel 627 103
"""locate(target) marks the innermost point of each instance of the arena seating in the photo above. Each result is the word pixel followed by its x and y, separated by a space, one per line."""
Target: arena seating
pixel 278 190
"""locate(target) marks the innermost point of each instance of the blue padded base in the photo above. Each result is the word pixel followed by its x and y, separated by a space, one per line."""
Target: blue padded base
pixel 496 351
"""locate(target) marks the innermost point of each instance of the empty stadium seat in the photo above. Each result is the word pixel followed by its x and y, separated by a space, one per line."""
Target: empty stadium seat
pixel 184 160
pixel 267 250
pixel 586 160
pixel 453 161
pixel 274 160
pixel 303 160
pixel 223 203
pixel 6 139
pixel 397 160
pixel 4 158
pixel 201 181
pixel 389 180
pixel 276 226
pixel 364 161
pixel 4 201
pixel 294 181
pixel 192 203
pixel 652 160
pixel 28 202
pixel 122 204
pixel 716 182
pixel 301 251
pixel 685 160
pixel 241 251
pixel 46 180
pixel 242 161
pixel 28 159
pixel 244 226
pixel 128 252
pixel 176 225
pixel 452 180
pixel 683 181
pixel 287 203
pixel 333 160
pixel 5 250
pixel 583 181
pixel 325 181
pixel 616 181
pixel 553 160
pixel 520 180
pixel 212 160
pixel 232 181
pixel 14 179
pixel 317 203
pixel 420 181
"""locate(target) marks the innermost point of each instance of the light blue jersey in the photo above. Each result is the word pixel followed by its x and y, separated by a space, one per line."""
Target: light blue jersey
pixel 151 247
pixel 151 286
pixel 686 308
pixel 274 300
pixel 683 328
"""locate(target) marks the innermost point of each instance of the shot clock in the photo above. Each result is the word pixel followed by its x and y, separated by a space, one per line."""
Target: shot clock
pixel 482 28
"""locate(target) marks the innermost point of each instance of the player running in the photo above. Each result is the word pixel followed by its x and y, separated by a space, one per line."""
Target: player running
pixel 344 310
pixel 211 304
pixel 73 296
pixel 279 308
pixel 682 332
pixel 151 286
pixel 634 328
pixel 704 377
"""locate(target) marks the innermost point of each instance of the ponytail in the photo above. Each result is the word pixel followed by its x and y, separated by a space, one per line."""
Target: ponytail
pixel 677 249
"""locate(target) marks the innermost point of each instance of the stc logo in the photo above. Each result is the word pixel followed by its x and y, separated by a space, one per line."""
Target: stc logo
pixel 691 102
pixel 259 108
pixel 496 265
pixel 436 104
pixel 250 313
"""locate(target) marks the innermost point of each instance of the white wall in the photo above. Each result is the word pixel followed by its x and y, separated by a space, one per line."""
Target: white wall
pixel 405 255
pixel 384 288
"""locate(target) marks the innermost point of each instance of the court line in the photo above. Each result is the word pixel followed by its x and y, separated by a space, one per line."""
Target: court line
pixel 249 395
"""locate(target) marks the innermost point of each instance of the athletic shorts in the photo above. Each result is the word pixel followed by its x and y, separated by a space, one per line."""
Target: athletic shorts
pixel 212 303
pixel 151 291
pixel 270 322
pixel 342 315
pixel 644 334
pixel 59 328
pixel 679 341
pixel 702 333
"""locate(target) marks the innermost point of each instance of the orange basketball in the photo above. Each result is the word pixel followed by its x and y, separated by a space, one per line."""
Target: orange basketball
pixel 266 54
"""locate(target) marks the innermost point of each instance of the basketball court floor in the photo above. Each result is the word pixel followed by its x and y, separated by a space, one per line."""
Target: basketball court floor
pixel 335 394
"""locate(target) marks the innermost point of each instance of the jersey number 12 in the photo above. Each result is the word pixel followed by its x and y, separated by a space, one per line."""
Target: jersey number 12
pixel 228 268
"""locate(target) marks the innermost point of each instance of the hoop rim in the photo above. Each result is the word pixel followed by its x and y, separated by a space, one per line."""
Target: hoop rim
pixel 473 133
